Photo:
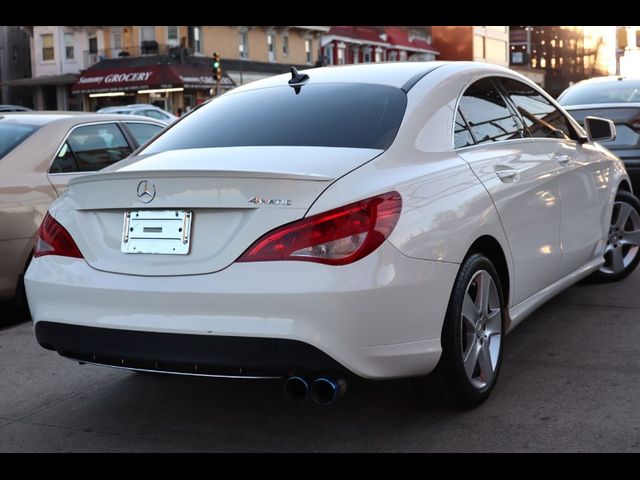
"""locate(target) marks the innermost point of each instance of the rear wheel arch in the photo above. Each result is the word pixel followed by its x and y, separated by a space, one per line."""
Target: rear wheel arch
pixel 624 186
pixel 491 248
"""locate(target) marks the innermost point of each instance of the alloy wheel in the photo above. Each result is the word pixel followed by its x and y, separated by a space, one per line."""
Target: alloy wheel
pixel 623 242
pixel 481 329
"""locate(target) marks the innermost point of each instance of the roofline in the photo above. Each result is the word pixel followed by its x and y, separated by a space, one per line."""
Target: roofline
pixel 413 49
pixel 319 28
pixel 329 38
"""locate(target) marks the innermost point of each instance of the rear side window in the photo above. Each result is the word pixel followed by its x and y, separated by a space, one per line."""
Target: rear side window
pixel 91 148
pixel 13 134
pixel 540 116
pixel 325 115
pixel 142 132
pixel 487 115
pixel 462 133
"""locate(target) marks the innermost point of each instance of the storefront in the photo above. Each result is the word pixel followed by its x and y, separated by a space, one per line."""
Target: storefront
pixel 171 86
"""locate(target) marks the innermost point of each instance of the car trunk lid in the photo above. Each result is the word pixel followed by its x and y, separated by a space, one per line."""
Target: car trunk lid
pixel 235 195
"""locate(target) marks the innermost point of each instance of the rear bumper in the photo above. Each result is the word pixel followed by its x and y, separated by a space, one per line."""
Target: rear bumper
pixel 182 353
pixel 380 317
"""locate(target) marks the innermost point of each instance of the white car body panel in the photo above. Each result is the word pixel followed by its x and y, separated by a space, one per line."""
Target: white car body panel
pixel 381 316
pixel 294 300
pixel 226 222
pixel 528 205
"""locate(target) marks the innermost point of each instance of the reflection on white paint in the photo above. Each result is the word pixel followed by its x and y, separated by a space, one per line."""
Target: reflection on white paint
pixel 545 249
pixel 547 197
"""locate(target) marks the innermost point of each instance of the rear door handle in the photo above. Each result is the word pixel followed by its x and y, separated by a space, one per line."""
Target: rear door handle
pixel 562 158
pixel 506 174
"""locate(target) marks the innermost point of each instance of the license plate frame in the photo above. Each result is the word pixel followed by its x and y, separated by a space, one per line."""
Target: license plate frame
pixel 160 232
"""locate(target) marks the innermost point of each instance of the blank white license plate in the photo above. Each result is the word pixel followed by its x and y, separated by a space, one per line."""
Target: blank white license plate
pixel 166 232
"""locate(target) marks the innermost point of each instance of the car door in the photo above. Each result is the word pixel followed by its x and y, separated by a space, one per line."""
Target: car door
pixel 87 148
pixel 583 174
pixel 522 181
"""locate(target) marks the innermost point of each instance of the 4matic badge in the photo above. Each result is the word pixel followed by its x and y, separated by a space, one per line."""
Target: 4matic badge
pixel 269 201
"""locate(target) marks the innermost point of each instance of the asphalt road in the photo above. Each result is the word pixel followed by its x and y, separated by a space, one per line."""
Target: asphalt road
pixel 570 382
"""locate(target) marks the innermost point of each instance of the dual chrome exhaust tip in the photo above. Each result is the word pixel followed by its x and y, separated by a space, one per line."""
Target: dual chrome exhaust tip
pixel 324 390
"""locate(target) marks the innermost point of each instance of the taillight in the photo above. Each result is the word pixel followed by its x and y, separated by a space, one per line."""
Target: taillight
pixel 53 239
pixel 336 237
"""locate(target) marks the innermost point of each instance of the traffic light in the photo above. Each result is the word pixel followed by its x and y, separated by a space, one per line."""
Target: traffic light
pixel 621 38
pixel 216 66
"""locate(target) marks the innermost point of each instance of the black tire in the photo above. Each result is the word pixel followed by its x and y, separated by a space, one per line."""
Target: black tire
pixel 449 385
pixel 630 253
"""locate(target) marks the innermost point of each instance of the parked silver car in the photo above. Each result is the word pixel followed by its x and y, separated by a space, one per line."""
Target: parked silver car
pixel 39 153
pixel 14 108
pixel 617 99
pixel 143 109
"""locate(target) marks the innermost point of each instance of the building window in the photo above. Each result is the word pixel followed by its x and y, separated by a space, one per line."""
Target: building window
pixel 341 55
pixel 393 56
pixel 148 43
pixel 378 54
pixel 14 54
pixel 285 44
pixel 116 41
pixel 197 39
pixel 308 46
pixel 328 54
pixel 68 45
pixel 356 55
pixel 93 45
pixel 271 46
pixel 366 55
pixel 172 36
pixel 148 33
pixel 495 50
pixel 244 43
pixel 47 47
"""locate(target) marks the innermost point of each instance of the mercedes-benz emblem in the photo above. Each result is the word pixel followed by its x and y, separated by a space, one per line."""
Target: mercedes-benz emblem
pixel 146 191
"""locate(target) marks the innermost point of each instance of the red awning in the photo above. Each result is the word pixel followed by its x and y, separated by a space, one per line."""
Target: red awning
pixel 96 80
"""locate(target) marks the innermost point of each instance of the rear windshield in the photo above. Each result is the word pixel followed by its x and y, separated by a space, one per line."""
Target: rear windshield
pixel 606 92
pixel 13 134
pixel 325 115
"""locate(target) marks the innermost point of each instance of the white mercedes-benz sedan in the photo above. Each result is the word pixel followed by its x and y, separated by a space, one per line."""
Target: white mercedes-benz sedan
pixel 382 220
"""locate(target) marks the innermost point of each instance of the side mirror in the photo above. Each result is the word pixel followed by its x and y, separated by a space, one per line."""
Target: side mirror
pixel 599 129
